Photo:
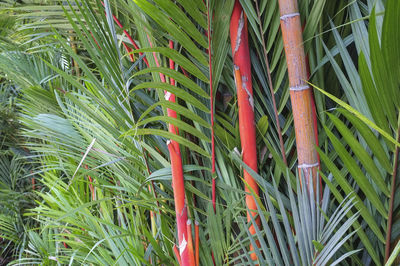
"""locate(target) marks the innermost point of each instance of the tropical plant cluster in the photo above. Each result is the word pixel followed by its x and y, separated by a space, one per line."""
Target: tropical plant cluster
pixel 199 132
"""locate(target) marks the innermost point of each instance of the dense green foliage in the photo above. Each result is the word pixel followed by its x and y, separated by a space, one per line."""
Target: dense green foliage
pixel 85 176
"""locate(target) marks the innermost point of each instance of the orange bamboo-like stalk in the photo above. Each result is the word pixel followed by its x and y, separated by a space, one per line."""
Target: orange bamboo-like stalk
pixel 242 71
pixel 300 91
pixel 314 110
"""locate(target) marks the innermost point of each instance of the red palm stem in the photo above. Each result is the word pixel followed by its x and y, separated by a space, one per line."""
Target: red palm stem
pixel 241 61
pixel 180 204
pixel 184 235
pixel 129 38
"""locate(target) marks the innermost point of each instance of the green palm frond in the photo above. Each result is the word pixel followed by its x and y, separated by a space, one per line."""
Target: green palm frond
pixel 369 133
pixel 92 115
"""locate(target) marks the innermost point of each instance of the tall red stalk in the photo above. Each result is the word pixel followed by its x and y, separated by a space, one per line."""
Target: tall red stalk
pixel 171 97
pixel 241 61
pixel 183 224
pixel 180 202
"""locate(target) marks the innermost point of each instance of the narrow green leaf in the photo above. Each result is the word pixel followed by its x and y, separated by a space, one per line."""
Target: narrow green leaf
pixel 361 154
pixel 359 115
pixel 178 58
pixel 381 73
pixel 194 12
pixel 182 20
pixel 313 21
pixel 370 138
pixel 169 135
pixel 262 125
pixel 371 94
pixel 318 246
pixel 176 122
pixel 175 90
pixel 343 183
pixel 177 108
pixel 356 173
pixel 394 255
pixel 363 236
pixel 391 51
pixel 173 29
pixel 180 78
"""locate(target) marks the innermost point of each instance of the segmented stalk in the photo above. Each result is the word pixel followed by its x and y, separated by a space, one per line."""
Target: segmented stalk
pixel 300 92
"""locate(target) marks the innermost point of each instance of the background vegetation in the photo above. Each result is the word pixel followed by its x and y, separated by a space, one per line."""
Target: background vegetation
pixel 85 174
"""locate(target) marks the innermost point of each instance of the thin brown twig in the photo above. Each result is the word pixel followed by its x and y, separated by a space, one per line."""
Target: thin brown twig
pixel 391 203
pixel 213 174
